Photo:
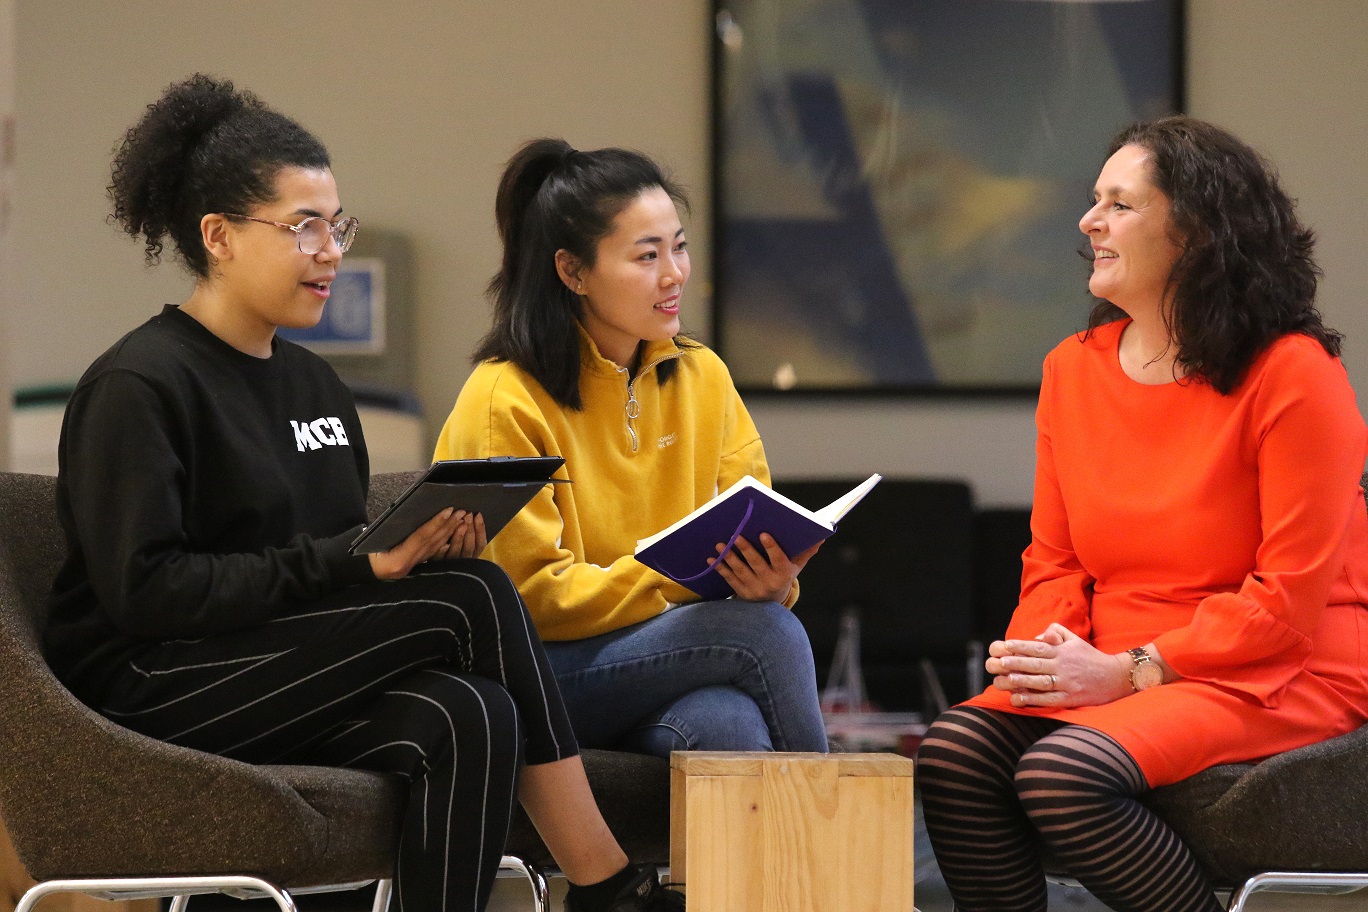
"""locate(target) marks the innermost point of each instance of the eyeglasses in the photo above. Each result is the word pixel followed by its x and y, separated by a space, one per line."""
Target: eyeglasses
pixel 312 234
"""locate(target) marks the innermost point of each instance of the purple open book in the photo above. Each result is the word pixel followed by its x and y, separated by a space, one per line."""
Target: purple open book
pixel 685 550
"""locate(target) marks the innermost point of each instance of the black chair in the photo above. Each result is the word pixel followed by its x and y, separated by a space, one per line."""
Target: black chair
pixel 903 559
pixel 1001 534
pixel 95 808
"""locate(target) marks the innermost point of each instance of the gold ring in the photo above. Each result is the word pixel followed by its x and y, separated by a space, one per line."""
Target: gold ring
pixel 1053 682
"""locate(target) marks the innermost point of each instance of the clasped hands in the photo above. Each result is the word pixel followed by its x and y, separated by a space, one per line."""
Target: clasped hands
pixel 1058 668
pixel 761 577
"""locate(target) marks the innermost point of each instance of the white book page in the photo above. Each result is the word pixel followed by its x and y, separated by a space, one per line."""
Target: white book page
pixel 833 512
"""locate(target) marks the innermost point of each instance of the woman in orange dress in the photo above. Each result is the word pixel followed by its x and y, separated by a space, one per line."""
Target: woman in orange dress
pixel 1195 588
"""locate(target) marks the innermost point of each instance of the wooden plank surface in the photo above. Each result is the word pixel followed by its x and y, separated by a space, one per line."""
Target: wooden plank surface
pixel 801 833
pixel 745 763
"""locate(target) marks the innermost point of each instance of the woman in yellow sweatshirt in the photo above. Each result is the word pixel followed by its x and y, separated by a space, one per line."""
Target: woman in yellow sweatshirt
pixel 585 361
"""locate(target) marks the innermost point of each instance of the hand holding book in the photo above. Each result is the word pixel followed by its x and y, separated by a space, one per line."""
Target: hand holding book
pixel 687 551
pixel 761 572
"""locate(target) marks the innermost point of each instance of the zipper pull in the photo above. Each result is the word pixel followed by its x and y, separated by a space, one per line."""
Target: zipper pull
pixel 633 408
pixel 633 411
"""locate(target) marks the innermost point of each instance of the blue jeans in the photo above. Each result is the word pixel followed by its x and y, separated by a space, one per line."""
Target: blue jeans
pixel 726 675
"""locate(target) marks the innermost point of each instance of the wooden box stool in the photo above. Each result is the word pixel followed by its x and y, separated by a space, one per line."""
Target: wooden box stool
pixel 791 832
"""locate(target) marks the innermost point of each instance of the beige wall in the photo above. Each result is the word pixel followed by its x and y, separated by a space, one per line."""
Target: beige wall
pixel 6 217
pixel 421 103
pixel 1291 78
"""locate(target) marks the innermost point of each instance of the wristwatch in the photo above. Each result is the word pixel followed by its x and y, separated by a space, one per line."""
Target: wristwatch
pixel 1145 674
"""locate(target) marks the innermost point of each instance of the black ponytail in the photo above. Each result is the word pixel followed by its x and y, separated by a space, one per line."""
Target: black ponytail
pixel 552 198
pixel 202 147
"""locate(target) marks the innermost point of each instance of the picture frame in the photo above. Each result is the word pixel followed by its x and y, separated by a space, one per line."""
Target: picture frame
pixel 353 322
pixel 897 183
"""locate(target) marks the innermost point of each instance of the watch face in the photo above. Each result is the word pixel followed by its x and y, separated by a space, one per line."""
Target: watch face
pixel 1146 675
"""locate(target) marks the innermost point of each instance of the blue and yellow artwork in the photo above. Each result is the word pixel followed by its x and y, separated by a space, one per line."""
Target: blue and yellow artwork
pixel 899 182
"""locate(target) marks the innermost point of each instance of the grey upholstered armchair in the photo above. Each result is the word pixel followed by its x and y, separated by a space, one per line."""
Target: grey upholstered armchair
pixel 1294 822
pixel 94 808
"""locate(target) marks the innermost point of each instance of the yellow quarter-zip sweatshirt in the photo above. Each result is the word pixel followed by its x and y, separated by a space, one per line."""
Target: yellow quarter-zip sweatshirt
pixel 640 457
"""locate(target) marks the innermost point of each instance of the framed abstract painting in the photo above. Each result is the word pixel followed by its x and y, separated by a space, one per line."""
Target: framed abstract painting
pixel 898 183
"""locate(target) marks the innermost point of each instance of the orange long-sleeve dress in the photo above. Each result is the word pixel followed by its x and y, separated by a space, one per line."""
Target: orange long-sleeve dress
pixel 1229 530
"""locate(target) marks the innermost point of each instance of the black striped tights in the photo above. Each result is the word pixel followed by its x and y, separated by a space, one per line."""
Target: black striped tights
pixel 996 788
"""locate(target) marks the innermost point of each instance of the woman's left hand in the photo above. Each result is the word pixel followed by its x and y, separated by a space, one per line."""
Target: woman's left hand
pixel 467 541
pixel 758 577
pixel 1058 668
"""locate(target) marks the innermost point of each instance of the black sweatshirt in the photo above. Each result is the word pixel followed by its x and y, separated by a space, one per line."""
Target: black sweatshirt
pixel 201 490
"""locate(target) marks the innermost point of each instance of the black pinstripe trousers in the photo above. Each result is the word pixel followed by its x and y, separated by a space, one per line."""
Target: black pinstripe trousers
pixel 439 677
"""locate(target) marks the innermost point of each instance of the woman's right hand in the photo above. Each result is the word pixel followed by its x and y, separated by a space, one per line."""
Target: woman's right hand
pixel 468 541
pixel 426 542
pixel 1058 668
pixel 757 577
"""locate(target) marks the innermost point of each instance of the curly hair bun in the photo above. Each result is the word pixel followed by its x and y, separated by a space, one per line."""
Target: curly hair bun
pixel 204 146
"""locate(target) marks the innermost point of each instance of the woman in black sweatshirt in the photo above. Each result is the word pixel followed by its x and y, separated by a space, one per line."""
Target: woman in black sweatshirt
pixel 212 476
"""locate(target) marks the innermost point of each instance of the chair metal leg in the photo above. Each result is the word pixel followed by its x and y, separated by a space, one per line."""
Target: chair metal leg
pixel 179 887
pixel 178 903
pixel 1292 882
pixel 536 878
pixel 383 889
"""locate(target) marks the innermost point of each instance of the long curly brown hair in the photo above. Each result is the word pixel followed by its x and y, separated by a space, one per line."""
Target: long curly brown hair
pixel 1246 275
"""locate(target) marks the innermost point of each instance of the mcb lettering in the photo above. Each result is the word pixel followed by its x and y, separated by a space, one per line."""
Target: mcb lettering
pixel 314 435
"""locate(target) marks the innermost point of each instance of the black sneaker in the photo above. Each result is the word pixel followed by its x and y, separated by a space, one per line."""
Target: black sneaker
pixel 644 893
